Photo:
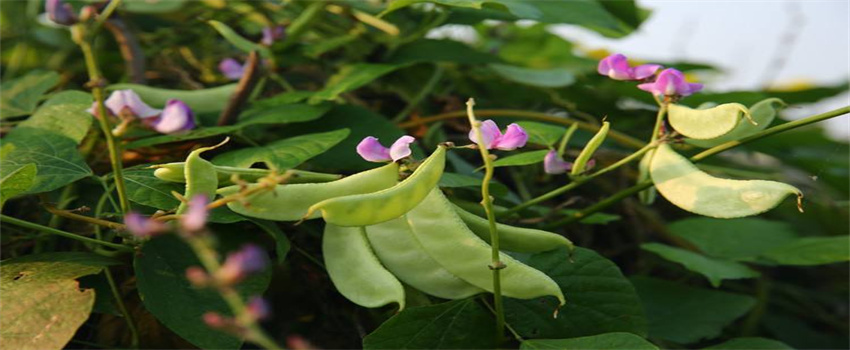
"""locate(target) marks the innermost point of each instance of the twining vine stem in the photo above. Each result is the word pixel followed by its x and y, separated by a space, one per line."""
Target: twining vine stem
pixel 47 229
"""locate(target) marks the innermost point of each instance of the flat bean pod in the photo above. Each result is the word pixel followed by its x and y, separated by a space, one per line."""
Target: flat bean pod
pixel 683 184
pixel 376 207
pixel 447 239
pixel 397 248
pixel 763 113
pixel 291 202
pixel 706 123
pixel 355 270
pixel 200 177
pixel 515 239
pixel 580 165
pixel 173 172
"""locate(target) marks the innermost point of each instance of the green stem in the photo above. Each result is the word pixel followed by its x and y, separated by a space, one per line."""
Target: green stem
pixel 659 120
pixel 496 264
pixel 103 16
pixel 700 156
pixel 119 300
pixel 429 86
pixel 46 229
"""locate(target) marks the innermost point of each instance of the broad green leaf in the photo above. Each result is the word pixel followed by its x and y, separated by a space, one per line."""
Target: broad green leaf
pixel 548 78
pixel 716 270
pixel 735 239
pixel 56 157
pixel 811 251
pixel 524 158
pixel 599 299
pixel 352 77
pixel 20 96
pixel 161 269
pixel 283 154
pixel 541 133
pixel 42 304
pixel 703 124
pixel 751 343
pixel 237 40
pixel 152 6
pixel 146 189
pixel 580 163
pixel 65 114
pixel 201 101
pixel 16 182
pixel 685 314
pixel 683 184
pixel 605 341
pixel 550 51
pixel 455 180
pixel 762 113
pixel 459 324
pixel 431 50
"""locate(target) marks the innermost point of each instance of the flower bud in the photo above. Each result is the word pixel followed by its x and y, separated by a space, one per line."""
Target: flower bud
pixel 553 164
pixel 258 308
pixel 231 69
pixel 196 217
pixel 143 227
pixel 240 264
pixel 272 34
pixel 60 12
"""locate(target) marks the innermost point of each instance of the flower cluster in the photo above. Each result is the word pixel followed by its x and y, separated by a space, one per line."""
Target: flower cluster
pixel 669 82
pixel 127 105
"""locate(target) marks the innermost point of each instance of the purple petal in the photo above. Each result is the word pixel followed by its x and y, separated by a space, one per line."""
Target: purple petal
pixel 127 101
pixel 649 87
pixel 272 34
pixel 372 150
pixel 489 133
pixel 60 12
pixel 176 117
pixel 693 88
pixel 231 69
pixel 615 66
pixel 514 137
pixel 645 71
pixel 141 226
pixel 258 308
pixel 401 147
pixel 196 217
pixel 553 164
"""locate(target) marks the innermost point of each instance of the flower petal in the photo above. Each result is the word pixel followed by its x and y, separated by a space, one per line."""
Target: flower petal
pixel 176 117
pixel 401 147
pixel 645 71
pixel 615 66
pixel 514 137
pixel 121 100
pixel 141 226
pixel 196 217
pixel 372 150
pixel 60 12
pixel 231 69
pixel 489 133
pixel 553 164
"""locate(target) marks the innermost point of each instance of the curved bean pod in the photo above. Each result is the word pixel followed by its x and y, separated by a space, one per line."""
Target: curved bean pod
pixel 173 172
pixel 512 238
pixel 763 113
pixel 447 239
pixel 377 207
pixel 200 177
pixel 584 156
pixel 404 256
pixel 356 271
pixel 291 202
pixel 702 124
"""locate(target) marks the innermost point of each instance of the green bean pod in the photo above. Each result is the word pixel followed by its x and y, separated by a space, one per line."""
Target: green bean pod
pixel 512 238
pixel 173 172
pixel 355 270
pixel 580 164
pixel 447 239
pixel 200 177
pixel 377 207
pixel 397 248
pixel 291 202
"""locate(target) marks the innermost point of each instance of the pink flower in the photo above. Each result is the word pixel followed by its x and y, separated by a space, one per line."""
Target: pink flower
pixel 617 67
pixel 553 164
pixel 60 12
pixel 176 117
pixel 196 217
pixel 372 150
pixel 492 138
pixel 126 103
pixel 258 308
pixel 143 227
pixel 231 68
pixel 671 82
pixel 248 260
pixel 272 34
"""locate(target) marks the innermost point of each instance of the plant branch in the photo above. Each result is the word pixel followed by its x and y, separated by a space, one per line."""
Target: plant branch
pixel 243 90
pixel 46 229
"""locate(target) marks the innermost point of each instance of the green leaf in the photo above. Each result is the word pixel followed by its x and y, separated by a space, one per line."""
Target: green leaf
pixel 455 180
pixel 595 218
pixel 735 239
pixel 352 77
pixel 42 305
pixel 161 268
pixel 200 133
pixel 606 341
pixel 459 324
pixel 685 314
pixel 146 189
pixel 283 154
pixel 431 50
pixel 547 78
pixel 762 113
pixel 811 251
pixel 524 158
pixel 716 270
pixel 599 298
pixel 751 343
pixel 21 95
pixel 56 157
pixel 65 114
pixel 201 101
pixel 237 40
pixel 16 182
pixel 541 133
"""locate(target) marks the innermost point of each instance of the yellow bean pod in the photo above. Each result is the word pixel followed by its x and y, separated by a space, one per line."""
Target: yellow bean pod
pixel 376 207
pixel 397 248
pixel 683 184
pixel 580 165
pixel 703 124
pixel 512 238
pixel 290 202
pixel 355 270
pixel 447 239
pixel 762 113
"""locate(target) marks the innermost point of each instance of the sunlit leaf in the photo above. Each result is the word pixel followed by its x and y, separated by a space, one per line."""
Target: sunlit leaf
pixel 64 113
pixel 21 95
pixel 549 78
pixel 56 157
pixel 17 181
pixel 352 77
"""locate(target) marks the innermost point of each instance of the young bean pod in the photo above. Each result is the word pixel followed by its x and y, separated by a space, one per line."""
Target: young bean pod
pixel 377 207
pixel 291 202
pixel 580 164
pixel 200 177
pixel 447 239
pixel 515 239
pixel 355 270
pixel 404 256
pixel 762 113
pixel 174 172
pixel 703 124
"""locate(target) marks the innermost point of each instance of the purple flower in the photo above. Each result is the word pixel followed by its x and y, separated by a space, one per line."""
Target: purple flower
pixel 143 227
pixel 272 34
pixel 372 150
pixel 617 67
pixel 196 217
pixel 60 12
pixel 231 68
pixel 258 308
pixel 553 164
pixel 126 103
pixel 513 138
pixel 240 264
pixel 671 82
pixel 176 117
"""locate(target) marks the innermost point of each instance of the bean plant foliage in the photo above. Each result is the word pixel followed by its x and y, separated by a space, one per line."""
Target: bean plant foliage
pixel 404 174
